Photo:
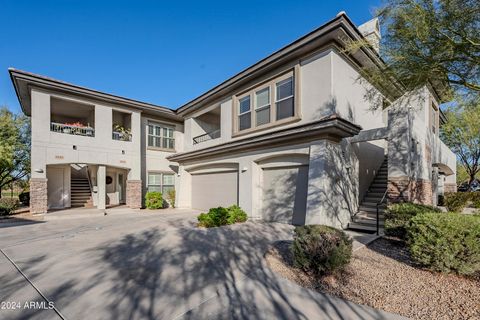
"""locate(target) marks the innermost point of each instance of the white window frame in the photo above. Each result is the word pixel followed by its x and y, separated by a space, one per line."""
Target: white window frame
pixel 249 96
pixel 161 136
pixel 161 186
pixel 292 96
pixel 263 107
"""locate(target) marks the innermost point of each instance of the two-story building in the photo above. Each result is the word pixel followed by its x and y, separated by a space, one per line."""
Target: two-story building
pixel 293 138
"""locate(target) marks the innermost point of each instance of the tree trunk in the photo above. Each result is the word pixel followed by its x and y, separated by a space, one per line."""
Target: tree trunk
pixel 470 181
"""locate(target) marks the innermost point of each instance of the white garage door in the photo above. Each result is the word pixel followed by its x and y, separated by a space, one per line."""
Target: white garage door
pixel 285 194
pixel 211 190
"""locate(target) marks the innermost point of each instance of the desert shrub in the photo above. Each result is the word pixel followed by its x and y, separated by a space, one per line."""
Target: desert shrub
pixel 399 214
pixel 171 197
pixel 236 214
pixel 321 249
pixel 215 217
pixel 456 201
pixel 8 205
pixel 24 198
pixel 446 242
pixel 475 199
pixel 220 216
pixel 154 200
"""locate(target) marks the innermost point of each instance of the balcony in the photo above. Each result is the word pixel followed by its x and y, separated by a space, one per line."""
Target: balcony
pixel 206 126
pixel 122 123
pixel 207 136
pixel 74 128
pixel 71 117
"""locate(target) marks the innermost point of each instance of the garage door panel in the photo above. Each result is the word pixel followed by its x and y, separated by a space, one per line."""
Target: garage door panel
pixel 210 190
pixel 284 194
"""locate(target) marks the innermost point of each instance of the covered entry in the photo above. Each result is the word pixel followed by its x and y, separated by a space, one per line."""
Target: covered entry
pixel 214 187
pixel 284 189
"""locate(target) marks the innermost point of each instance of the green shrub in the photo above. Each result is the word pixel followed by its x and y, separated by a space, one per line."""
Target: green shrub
pixel 475 198
pixel 154 200
pixel 24 198
pixel 398 215
pixel 321 249
pixel 446 242
pixel 8 205
pixel 236 214
pixel 456 201
pixel 220 216
pixel 171 197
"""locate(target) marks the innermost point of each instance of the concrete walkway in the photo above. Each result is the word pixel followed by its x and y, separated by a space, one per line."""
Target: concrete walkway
pixel 153 265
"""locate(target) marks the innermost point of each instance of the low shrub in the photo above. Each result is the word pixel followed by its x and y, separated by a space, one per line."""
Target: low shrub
pixel 456 201
pixel 236 215
pixel 321 249
pixel 446 242
pixel 220 216
pixel 154 200
pixel 171 197
pixel 8 205
pixel 399 214
pixel 24 198
pixel 475 198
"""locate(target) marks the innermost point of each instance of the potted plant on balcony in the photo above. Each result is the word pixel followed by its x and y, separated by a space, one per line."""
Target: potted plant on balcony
pixel 123 133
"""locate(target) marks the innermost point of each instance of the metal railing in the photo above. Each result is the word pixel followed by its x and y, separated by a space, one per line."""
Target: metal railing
pixel 378 213
pixel 207 136
pixel 122 136
pixel 68 129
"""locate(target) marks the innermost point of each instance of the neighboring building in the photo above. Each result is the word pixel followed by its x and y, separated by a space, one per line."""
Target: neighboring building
pixel 291 138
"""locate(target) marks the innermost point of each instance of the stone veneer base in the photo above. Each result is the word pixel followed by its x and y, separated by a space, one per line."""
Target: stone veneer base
pixel 404 189
pixel 38 195
pixel 134 194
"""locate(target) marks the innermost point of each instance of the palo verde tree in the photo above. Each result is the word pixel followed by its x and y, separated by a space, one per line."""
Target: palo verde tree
pixel 428 42
pixel 14 147
pixel 462 134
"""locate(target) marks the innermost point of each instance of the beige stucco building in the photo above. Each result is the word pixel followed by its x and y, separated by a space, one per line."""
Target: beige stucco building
pixel 293 138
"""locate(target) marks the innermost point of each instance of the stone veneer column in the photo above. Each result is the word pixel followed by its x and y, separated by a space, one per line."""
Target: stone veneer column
pixel 38 195
pixel 134 194
pixel 449 187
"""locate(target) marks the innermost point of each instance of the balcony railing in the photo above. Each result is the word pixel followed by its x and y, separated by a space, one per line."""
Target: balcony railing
pixel 121 136
pixel 69 129
pixel 207 136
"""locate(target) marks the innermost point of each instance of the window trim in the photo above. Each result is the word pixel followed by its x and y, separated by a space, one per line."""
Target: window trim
pixel 161 173
pixel 162 127
pixel 251 91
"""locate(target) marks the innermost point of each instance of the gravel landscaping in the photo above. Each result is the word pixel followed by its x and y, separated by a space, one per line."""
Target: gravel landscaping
pixel 383 276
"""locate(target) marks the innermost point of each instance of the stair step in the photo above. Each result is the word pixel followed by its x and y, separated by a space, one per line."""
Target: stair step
pixel 368 222
pixel 373 204
pixel 371 209
pixel 361 227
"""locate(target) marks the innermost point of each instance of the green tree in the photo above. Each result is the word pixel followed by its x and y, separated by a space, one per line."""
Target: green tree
pixel 462 134
pixel 14 147
pixel 428 42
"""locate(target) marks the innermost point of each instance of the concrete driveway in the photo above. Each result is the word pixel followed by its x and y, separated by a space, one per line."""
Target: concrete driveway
pixel 152 265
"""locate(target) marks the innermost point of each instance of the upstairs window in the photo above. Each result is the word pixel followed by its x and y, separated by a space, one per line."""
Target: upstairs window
pixel 266 105
pixel 262 106
pixel 244 112
pixel 284 102
pixel 160 136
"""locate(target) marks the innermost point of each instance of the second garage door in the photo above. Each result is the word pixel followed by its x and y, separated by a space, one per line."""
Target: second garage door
pixel 211 190
pixel 285 194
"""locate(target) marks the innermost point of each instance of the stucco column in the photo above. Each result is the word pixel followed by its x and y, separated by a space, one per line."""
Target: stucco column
pixel 329 189
pixel 101 187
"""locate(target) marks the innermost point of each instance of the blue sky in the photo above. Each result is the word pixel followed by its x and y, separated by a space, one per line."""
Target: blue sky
pixel 162 52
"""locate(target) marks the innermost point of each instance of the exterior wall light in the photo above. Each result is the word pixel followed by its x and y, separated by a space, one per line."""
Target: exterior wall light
pixel 38 170
pixel 244 169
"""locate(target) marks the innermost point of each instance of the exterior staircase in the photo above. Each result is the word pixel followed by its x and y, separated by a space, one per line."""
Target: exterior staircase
pixel 365 220
pixel 81 195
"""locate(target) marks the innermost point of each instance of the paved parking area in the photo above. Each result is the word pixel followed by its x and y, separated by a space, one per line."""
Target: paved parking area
pixel 152 265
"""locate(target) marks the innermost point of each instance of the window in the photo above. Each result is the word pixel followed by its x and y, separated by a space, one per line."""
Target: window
pixel 284 102
pixel 262 106
pixel 160 136
pixel 266 105
pixel 161 182
pixel 245 118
